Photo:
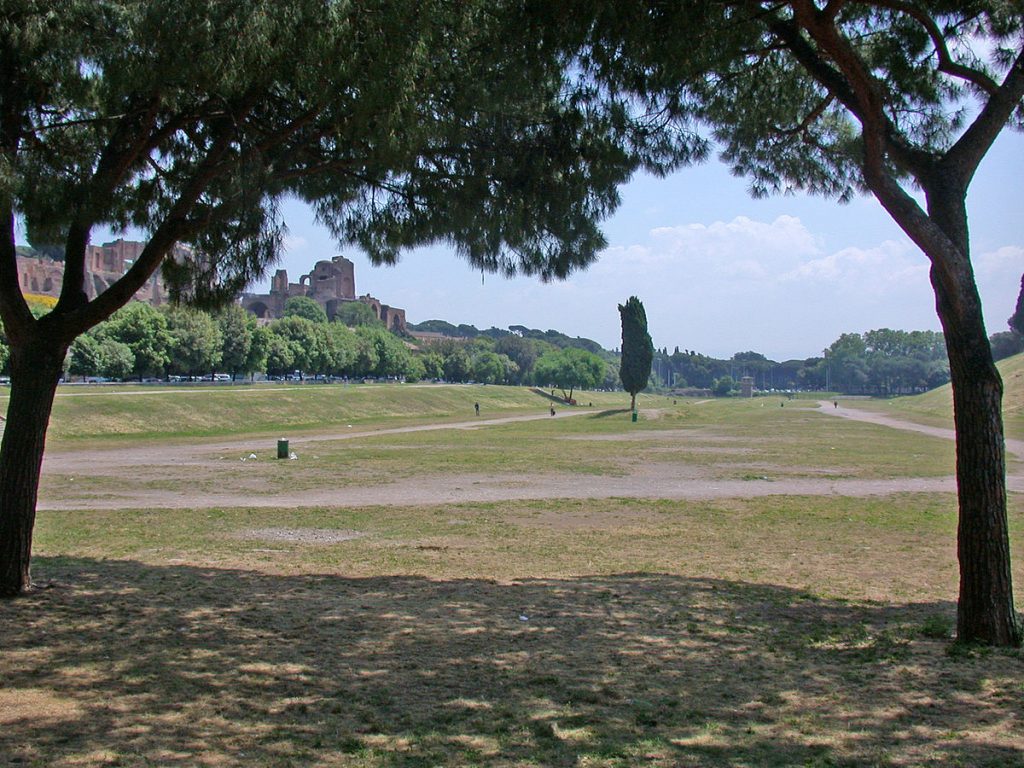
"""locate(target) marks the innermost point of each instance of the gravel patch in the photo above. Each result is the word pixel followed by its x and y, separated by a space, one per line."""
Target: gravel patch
pixel 300 535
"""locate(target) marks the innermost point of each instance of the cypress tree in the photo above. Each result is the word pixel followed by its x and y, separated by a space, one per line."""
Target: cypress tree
pixel 637 348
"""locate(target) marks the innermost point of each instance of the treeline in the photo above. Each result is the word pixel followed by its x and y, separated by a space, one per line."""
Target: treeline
pixel 551 338
pixel 142 342
pixel 880 362
pixel 519 355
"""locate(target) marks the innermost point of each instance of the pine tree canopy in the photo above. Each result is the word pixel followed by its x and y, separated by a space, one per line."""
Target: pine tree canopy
pixel 401 123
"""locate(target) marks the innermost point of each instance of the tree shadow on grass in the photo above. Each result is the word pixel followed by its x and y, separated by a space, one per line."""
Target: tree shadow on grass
pixel 610 412
pixel 133 664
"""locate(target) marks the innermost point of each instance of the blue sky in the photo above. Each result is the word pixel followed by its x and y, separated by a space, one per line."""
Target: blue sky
pixel 718 272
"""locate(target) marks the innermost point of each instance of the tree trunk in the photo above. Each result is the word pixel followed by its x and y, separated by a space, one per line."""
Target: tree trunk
pixel 35 370
pixel 632 402
pixel 985 611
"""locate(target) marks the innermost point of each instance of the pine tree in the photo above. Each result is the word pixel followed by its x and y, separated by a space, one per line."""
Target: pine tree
pixel 400 123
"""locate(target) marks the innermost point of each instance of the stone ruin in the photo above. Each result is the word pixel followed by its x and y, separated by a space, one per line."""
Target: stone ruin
pixel 330 284
pixel 104 265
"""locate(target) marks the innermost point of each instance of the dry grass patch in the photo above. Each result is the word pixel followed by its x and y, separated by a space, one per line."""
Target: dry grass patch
pixel 187 665
pixel 624 632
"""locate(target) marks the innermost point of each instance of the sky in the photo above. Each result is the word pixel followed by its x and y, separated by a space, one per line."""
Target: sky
pixel 717 271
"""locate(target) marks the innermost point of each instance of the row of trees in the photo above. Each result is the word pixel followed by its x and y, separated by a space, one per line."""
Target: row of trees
pixel 141 342
pixel 509 358
pixel 879 362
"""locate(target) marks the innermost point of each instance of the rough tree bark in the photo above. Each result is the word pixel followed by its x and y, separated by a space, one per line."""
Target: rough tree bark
pixel 35 370
pixel 985 611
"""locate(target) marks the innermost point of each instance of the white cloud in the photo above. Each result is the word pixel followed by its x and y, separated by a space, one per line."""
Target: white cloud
pixel 781 240
pixel 998 274
pixel 1008 259
pixel 884 267
pixel 766 285
pixel 743 253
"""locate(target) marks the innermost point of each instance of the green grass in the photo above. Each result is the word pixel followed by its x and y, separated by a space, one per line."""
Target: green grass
pixel 171 413
pixel 147 413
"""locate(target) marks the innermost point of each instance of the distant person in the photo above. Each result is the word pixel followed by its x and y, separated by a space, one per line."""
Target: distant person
pixel 477 406
pixel 552 410
pixel 835 403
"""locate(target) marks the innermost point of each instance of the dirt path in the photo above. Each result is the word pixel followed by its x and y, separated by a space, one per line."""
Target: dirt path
pixel 1016 447
pixel 652 480
pixel 441 490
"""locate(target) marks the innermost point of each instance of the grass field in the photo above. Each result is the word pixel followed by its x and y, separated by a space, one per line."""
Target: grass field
pixel 611 630
pixel 118 414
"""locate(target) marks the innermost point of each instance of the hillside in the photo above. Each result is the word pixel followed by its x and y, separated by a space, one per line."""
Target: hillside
pixel 936 406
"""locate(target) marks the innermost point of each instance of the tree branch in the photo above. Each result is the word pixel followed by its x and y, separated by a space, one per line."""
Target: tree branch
pixel 946 63
pixel 132 139
pixel 14 311
pixel 966 154
pixel 851 83
pixel 832 8
pixel 804 124
pixel 174 227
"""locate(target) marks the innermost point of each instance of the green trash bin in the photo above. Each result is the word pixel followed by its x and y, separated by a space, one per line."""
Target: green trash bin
pixel 282 448
pixel 634 416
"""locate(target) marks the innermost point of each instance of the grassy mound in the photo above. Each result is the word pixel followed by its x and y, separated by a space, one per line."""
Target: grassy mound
pixel 147 412
pixel 936 406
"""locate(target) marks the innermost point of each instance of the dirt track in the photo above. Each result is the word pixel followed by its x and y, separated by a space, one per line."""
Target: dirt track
pixel 1015 447
pixel 662 481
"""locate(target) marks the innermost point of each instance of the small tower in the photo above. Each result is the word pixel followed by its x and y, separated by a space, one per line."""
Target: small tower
pixel 279 283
